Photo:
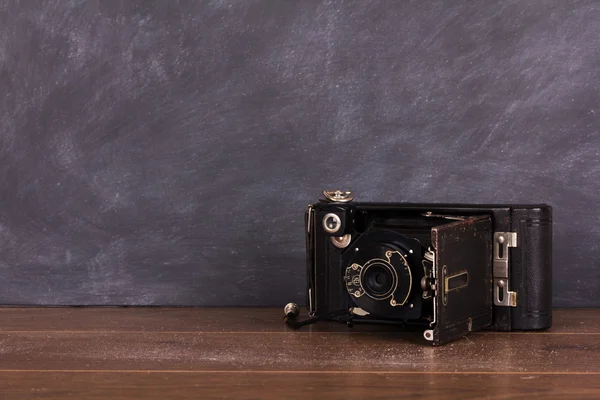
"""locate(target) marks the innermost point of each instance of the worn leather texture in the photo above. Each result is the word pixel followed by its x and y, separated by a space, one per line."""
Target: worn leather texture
pixel 531 272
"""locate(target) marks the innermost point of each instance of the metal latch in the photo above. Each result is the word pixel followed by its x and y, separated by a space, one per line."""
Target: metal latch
pixel 502 295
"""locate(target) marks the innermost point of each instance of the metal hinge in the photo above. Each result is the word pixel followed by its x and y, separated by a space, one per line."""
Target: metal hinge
pixel 502 294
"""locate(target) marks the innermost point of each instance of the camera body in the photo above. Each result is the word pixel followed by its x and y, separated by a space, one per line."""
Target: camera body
pixel 448 268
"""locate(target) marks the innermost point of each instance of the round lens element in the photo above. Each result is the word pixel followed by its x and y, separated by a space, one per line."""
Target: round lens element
pixel 378 280
pixel 332 223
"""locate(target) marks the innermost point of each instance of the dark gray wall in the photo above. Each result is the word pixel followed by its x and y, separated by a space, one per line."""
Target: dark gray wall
pixel 164 152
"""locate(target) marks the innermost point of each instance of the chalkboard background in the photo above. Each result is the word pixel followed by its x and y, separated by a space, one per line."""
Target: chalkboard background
pixel 163 152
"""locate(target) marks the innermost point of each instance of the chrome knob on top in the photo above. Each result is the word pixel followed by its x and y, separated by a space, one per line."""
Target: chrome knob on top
pixel 338 196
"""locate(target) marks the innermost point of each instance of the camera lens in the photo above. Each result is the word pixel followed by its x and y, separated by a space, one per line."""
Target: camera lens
pixel 378 281
pixel 379 273
pixel 332 223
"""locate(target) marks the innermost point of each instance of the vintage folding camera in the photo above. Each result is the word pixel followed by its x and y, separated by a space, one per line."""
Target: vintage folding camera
pixel 447 269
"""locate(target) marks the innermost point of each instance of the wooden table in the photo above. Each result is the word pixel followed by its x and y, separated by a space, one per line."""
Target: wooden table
pixel 203 353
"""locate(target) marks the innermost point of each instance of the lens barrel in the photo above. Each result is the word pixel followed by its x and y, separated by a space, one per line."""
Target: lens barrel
pixel 378 280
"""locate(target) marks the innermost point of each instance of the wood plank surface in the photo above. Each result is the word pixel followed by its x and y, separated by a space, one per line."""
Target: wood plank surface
pixel 248 353
pixel 297 352
pixel 293 351
pixel 182 319
pixel 283 386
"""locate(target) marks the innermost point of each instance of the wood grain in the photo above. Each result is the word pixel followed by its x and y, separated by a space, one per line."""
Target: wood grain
pixel 174 353
pixel 297 351
pixel 185 319
pixel 273 385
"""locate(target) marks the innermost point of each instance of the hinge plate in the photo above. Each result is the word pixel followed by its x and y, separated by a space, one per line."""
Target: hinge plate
pixel 502 294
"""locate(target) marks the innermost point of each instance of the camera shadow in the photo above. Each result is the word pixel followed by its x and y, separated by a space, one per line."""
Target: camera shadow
pixel 413 334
